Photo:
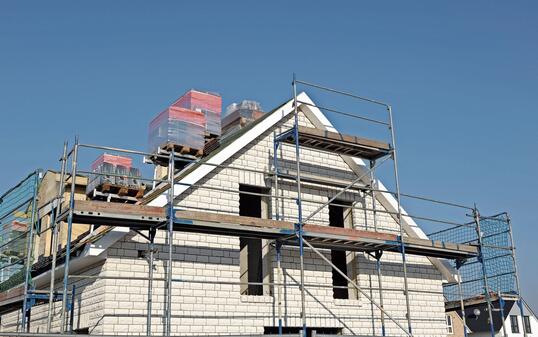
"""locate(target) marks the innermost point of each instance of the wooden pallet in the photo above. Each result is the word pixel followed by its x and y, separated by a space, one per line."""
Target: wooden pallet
pixel 182 149
pixel 209 136
pixel 121 190
pixel 211 145
pixel 110 197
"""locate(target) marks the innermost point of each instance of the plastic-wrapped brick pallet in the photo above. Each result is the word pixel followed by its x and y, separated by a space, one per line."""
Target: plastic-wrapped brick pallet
pixel 208 103
pixel 239 115
pixel 109 167
pixel 177 126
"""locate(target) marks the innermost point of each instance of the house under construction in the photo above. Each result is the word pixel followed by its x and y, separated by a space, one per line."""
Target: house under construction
pixel 278 226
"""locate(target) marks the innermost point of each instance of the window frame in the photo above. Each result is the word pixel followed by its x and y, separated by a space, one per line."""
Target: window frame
pixel 514 323
pixel 449 325
pixel 527 324
pixel 351 259
pixel 245 247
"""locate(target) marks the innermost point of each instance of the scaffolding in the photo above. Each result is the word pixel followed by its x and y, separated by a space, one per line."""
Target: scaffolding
pixel 297 232
pixel 18 208
pixel 491 274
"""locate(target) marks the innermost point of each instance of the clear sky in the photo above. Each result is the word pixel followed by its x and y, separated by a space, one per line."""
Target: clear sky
pixel 462 77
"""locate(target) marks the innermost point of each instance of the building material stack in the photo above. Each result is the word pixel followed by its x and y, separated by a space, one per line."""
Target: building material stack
pixel 186 127
pixel 115 175
pixel 208 103
pixel 239 115
pixel 177 129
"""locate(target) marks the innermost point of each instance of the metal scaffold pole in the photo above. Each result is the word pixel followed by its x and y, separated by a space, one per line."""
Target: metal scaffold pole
pixel 151 246
pixel 459 264
pixel 399 218
pixel 69 232
pixel 356 286
pixel 476 216
pixel 379 253
pixel 501 309
pixel 299 225
pixel 25 325
pixel 275 172
pixel 513 254
pixel 279 286
pixel 171 215
pixel 54 242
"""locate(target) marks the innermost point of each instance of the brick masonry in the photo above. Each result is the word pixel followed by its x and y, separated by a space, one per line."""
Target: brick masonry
pixel 120 306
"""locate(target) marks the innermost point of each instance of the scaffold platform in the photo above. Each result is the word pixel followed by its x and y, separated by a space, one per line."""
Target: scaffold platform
pixel 142 217
pixel 337 143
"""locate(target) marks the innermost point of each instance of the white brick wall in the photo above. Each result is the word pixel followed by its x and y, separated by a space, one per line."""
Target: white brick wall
pixel 89 306
pixel 201 308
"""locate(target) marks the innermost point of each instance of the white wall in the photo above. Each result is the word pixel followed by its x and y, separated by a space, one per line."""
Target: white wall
pixel 220 309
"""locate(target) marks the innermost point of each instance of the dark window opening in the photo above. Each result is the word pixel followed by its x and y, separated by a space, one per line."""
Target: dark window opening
pixel 527 324
pixel 514 324
pixel 338 257
pixel 250 256
pixel 295 330
pixel 83 331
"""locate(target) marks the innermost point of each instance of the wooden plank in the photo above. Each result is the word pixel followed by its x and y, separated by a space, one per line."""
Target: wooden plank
pixel 233 219
pixel 340 143
pixel 343 234
pixel 310 230
pixel 440 244
pixel 11 295
pixel 119 209
pixel 324 134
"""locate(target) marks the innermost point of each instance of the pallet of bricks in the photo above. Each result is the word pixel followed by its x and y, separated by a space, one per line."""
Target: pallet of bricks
pixel 115 175
pixel 238 115
pixel 210 104
pixel 187 124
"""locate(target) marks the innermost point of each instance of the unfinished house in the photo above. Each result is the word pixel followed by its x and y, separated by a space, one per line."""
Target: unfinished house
pixel 257 243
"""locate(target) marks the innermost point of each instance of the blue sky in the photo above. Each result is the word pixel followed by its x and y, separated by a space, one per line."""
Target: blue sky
pixel 462 78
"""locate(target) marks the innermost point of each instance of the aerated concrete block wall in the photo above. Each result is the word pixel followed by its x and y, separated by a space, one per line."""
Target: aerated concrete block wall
pixel 207 307
pixel 212 308
pixel 89 306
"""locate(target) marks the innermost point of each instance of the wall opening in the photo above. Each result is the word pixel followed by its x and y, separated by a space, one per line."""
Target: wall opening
pixel 252 262
pixel 340 215
pixel 295 330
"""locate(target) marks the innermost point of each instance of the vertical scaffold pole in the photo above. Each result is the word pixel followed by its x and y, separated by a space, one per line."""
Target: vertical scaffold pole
pixel 459 264
pixel 378 254
pixel 278 246
pixel 29 250
pixel 151 246
pixel 275 169
pixel 501 309
pixel 518 289
pixel 54 244
pixel 299 225
pixel 69 232
pixel 476 216
pixel 72 309
pixel 356 286
pixel 171 215
pixel 399 215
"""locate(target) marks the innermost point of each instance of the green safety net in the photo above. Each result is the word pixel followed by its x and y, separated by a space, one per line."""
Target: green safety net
pixel 16 208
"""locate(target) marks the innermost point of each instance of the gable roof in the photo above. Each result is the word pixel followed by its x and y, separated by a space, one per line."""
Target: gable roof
pixel 235 143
